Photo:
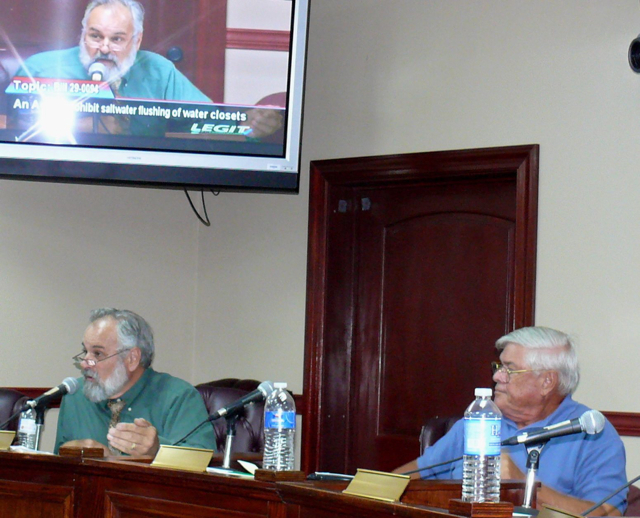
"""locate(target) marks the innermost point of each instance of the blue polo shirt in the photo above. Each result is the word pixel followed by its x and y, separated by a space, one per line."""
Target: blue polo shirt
pixel 589 467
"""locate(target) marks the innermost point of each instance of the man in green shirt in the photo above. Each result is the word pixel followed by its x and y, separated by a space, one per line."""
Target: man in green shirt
pixel 124 405
pixel 109 50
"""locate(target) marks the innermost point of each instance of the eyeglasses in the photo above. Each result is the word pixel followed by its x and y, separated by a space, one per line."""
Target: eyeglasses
pixel 498 367
pixel 82 357
pixel 117 43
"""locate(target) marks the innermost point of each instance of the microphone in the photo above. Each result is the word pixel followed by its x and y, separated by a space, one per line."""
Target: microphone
pixel 97 71
pixel 260 394
pixel 68 386
pixel 591 422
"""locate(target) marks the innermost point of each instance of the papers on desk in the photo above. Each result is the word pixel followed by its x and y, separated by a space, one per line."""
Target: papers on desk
pixel 229 472
pixel 249 466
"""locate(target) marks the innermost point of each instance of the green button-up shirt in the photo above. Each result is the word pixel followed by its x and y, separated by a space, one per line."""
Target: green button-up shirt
pixel 171 405
pixel 150 78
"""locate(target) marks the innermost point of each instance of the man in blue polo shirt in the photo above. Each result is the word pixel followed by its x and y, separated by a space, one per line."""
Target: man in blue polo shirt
pixel 537 373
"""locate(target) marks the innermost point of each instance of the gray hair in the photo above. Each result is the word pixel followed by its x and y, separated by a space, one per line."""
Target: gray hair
pixel 136 8
pixel 547 349
pixel 133 331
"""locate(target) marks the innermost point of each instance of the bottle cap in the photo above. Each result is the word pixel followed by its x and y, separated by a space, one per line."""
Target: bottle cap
pixel 483 392
pixel 280 384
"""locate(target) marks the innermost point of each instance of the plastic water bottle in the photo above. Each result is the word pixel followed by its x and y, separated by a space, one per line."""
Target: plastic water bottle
pixel 279 430
pixel 27 429
pixel 481 468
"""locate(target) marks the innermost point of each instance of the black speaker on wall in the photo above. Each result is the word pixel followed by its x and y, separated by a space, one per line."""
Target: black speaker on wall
pixel 634 55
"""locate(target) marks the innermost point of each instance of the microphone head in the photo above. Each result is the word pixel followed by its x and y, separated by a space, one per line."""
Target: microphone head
pixel 266 387
pixel 592 422
pixel 97 71
pixel 71 384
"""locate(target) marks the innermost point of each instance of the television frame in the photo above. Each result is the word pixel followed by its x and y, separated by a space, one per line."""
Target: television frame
pixel 172 169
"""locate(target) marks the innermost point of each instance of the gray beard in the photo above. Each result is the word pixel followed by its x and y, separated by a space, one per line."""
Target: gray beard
pixel 97 390
pixel 113 73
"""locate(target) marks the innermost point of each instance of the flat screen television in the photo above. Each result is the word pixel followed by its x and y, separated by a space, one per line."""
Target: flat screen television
pixel 195 94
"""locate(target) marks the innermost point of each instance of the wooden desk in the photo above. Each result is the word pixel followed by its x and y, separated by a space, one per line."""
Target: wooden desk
pixel 33 486
pixel 422 498
pixel 39 486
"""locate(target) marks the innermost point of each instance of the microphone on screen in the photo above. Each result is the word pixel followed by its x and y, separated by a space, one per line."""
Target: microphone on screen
pixel 97 71
pixel 68 386
pixel 591 422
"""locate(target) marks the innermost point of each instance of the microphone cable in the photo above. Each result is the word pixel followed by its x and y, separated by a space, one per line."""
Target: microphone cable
pixel 433 466
pixel 595 506
pixel 2 426
pixel 207 420
pixel 324 475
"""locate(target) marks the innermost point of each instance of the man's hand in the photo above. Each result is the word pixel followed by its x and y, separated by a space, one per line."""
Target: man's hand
pixel 263 122
pixel 508 469
pixel 137 439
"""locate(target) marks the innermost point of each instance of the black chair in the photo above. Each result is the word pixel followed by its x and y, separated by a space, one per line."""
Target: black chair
pixel 249 436
pixel 11 402
pixel 633 502
pixel 434 428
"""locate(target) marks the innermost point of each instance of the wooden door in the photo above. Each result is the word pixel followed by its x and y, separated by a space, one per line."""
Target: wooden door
pixel 417 264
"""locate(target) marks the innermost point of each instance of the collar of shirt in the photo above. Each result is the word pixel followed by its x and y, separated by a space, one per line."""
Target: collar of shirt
pixel 130 396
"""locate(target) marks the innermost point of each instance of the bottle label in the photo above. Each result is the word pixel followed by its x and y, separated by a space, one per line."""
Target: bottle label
pixel 27 426
pixel 280 420
pixel 482 436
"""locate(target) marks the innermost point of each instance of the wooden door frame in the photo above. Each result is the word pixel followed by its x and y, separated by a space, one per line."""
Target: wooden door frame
pixel 333 176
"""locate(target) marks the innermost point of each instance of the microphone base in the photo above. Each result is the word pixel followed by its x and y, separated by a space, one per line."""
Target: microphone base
pixel 524 511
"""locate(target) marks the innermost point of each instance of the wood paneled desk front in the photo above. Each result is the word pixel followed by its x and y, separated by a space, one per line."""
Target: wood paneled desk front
pixel 34 486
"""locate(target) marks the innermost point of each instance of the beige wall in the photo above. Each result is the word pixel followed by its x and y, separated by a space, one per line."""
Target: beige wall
pixel 384 76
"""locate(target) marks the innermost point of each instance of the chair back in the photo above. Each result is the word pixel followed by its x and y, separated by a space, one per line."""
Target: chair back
pixel 11 402
pixel 633 502
pixel 434 428
pixel 250 424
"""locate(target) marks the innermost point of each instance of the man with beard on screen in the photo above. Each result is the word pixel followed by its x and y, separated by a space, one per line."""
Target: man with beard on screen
pixel 110 44
pixel 126 407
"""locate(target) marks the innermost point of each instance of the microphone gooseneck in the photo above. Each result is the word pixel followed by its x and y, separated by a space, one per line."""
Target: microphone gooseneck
pixel 68 386
pixel 261 393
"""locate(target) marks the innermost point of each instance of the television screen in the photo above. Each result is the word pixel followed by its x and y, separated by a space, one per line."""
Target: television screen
pixel 161 93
